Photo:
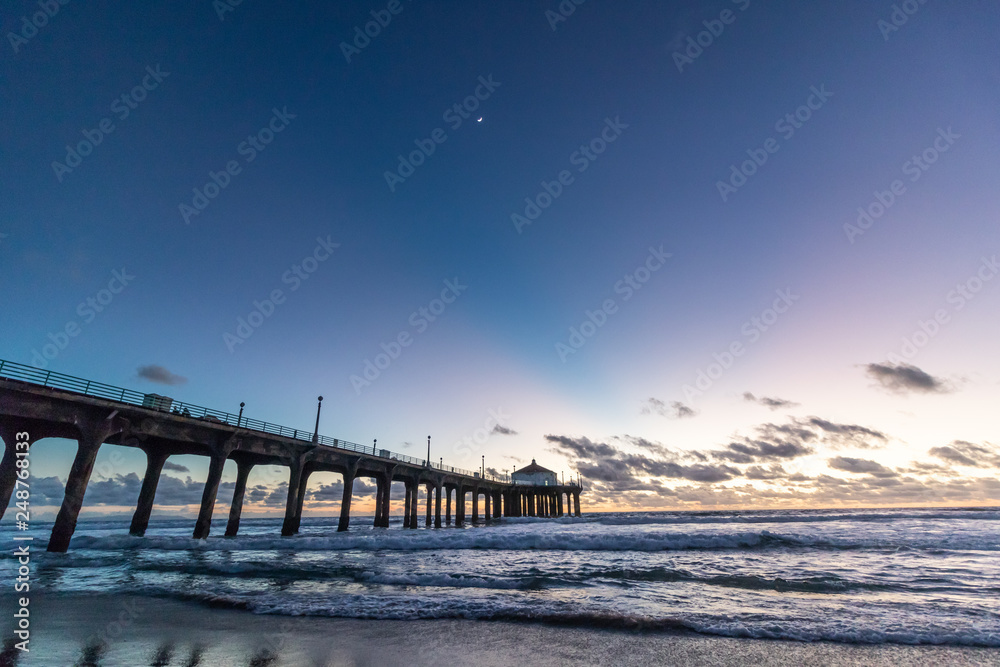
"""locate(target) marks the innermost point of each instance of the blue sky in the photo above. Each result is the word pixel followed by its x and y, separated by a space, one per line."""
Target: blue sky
pixel 878 98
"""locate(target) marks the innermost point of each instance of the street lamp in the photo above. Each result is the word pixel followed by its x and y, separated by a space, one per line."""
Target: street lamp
pixel 428 451
pixel 239 420
pixel 319 406
pixel 374 445
pixel 482 471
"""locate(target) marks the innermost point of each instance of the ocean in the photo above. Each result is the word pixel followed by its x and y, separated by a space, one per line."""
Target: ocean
pixel 896 576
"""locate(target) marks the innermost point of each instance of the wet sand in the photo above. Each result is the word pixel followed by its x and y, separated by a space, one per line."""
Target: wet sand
pixel 130 631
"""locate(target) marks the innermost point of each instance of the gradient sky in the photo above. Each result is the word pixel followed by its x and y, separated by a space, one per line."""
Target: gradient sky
pixel 855 418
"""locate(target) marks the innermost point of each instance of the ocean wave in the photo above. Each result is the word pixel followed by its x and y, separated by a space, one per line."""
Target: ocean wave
pixel 567 614
pixel 739 518
pixel 550 540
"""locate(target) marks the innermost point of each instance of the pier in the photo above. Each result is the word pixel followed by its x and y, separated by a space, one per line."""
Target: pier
pixel 52 405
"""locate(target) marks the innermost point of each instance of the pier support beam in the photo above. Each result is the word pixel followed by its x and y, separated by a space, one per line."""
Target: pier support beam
pixel 300 500
pixel 345 500
pixel 437 504
pixel 459 505
pixel 447 505
pixel 486 506
pixel 92 436
pixel 292 501
pixel 386 496
pixel 144 507
pixel 414 495
pixel 475 505
pixel 576 502
pixel 406 506
pixel 383 484
pixel 203 526
pixel 243 469
pixel 8 467
pixel 430 503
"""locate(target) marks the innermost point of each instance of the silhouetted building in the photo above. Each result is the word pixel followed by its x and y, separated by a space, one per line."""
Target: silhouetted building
pixel 536 475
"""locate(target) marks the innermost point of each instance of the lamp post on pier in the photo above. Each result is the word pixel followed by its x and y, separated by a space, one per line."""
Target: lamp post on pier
pixel 428 461
pixel 239 420
pixel 319 406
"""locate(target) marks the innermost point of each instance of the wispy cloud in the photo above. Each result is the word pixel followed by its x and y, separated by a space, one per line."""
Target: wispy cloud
pixel 768 402
pixel 863 466
pixel 904 378
pixel 676 409
pixel 607 463
pixel 967 454
pixel 160 375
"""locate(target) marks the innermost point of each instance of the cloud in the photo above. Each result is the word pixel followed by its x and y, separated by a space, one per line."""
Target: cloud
pixel 863 466
pixel 603 462
pixel 175 467
pixel 903 378
pixel 503 430
pixel 45 491
pixel 967 454
pixel 768 402
pixel 268 496
pixel 775 471
pixel 160 375
pixel 848 434
pixel 676 410
pixel 327 492
pixel 795 438
pixel 175 491
pixel 749 451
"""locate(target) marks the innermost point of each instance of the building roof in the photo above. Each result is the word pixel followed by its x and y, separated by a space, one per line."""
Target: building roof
pixel 534 467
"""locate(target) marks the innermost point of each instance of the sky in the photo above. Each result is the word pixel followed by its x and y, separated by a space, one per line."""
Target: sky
pixel 726 254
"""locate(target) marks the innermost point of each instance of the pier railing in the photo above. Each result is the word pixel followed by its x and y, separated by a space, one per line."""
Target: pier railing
pixel 44 378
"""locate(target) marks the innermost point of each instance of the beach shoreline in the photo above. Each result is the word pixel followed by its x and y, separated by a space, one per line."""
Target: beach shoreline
pixel 112 630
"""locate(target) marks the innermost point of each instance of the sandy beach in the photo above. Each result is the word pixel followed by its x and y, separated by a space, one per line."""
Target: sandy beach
pixel 129 631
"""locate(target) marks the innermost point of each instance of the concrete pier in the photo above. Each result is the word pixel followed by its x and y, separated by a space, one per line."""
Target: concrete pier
pixel 140 520
pixel 48 412
pixel 236 509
